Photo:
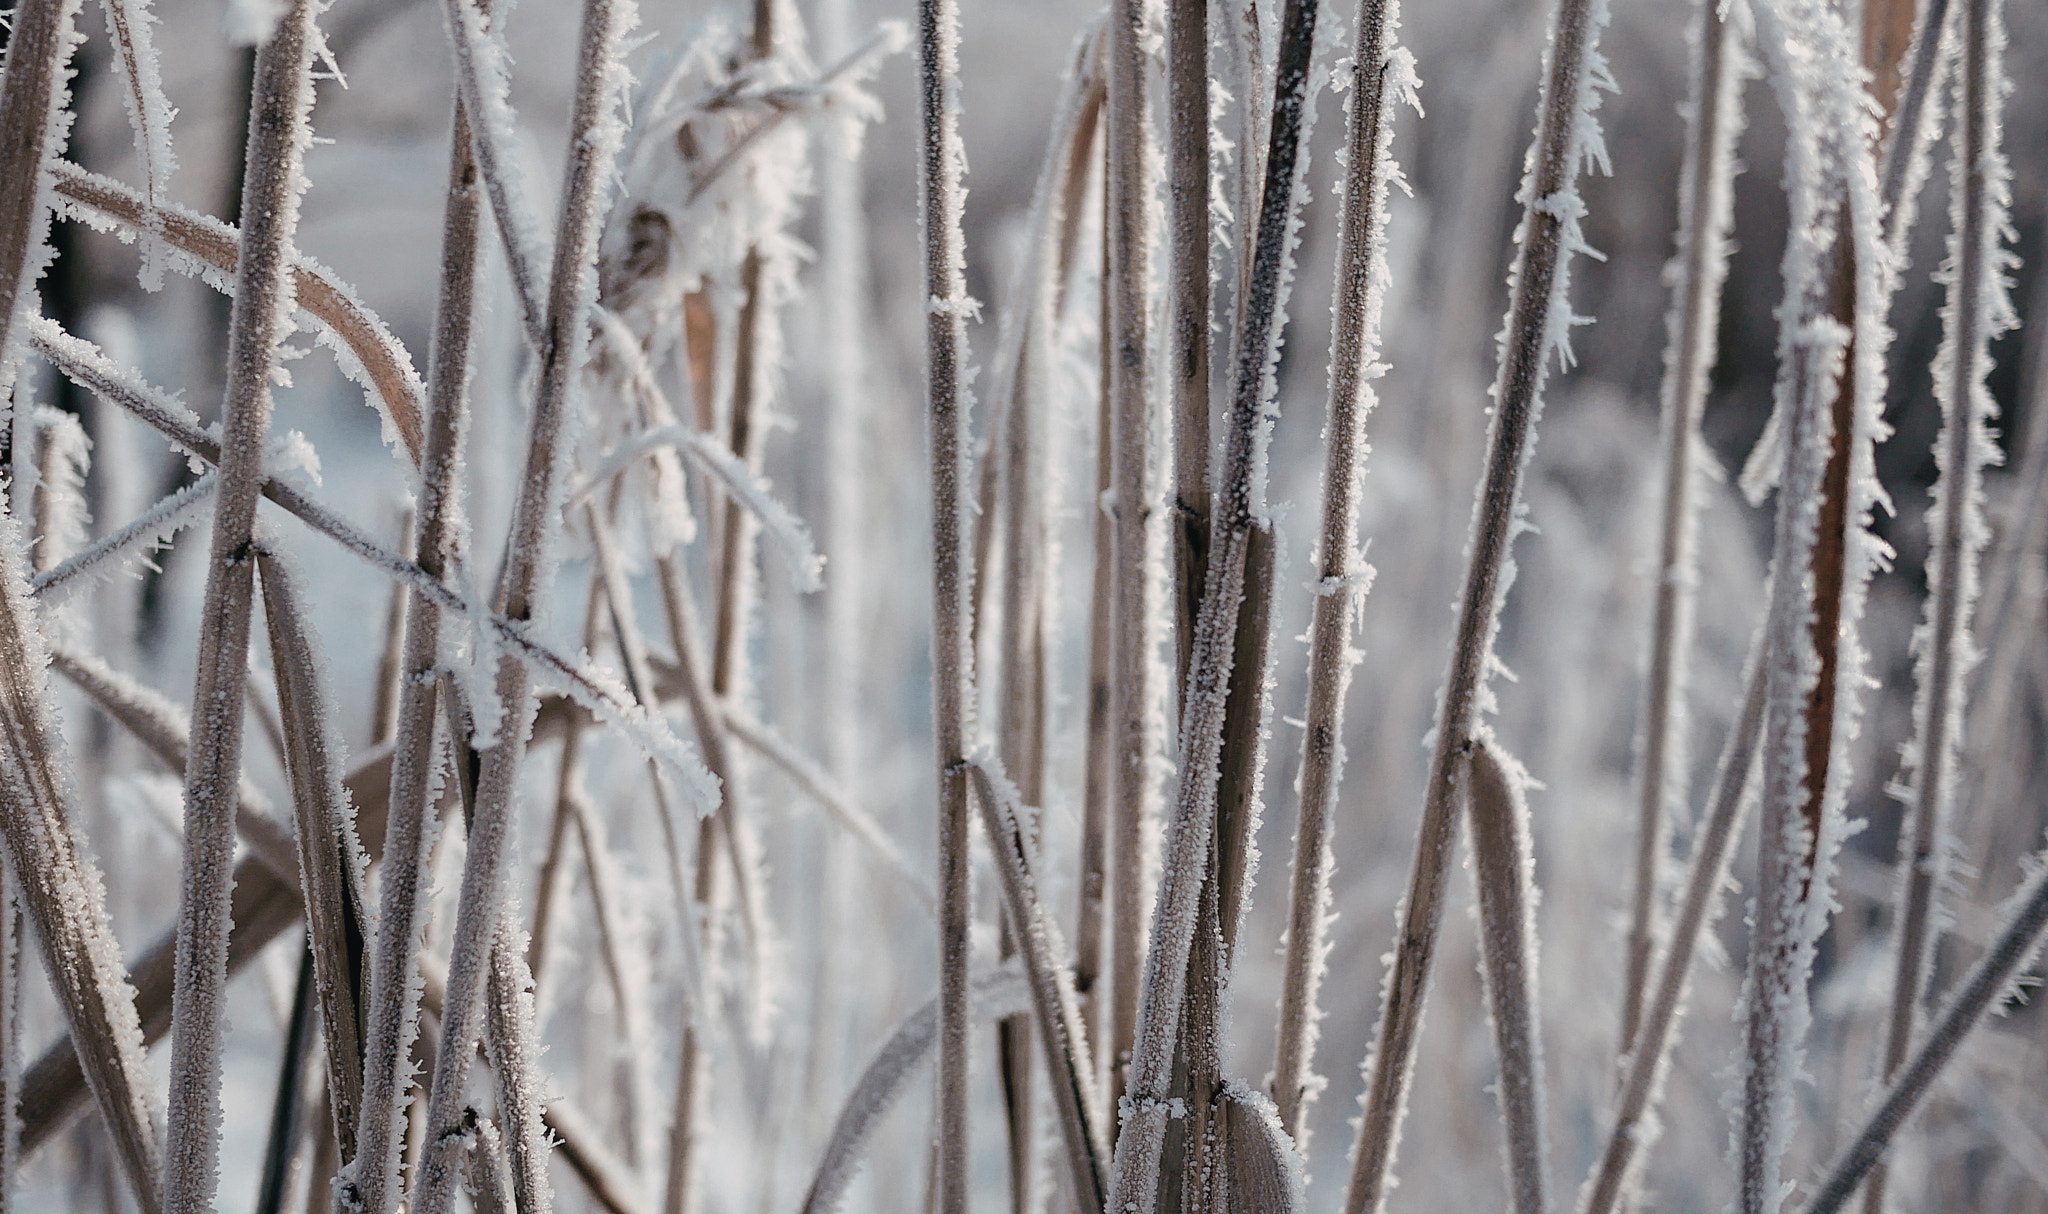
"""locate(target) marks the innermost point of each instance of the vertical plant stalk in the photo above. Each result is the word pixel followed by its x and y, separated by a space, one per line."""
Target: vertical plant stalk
pixel 1362 277
pixel 1098 788
pixel 1504 872
pixel 1977 311
pixel 330 860
pixel 514 1053
pixel 1133 727
pixel 1247 717
pixel 941 165
pixel 1706 203
pixel 1830 389
pixel 1617 1175
pixel 594 139
pixel 1538 321
pixel 1146 1108
pixel 1989 981
pixel 273 181
pixel 369 1181
pixel 1188 308
pixel 34 119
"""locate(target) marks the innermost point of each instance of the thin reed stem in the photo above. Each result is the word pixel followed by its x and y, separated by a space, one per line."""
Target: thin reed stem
pixel 1706 205
pixel 1537 322
pixel 1383 75
pixel 941 165
pixel 278 113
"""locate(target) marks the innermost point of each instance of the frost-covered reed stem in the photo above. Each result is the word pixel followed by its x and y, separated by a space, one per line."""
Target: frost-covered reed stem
pixel 330 860
pixel 1989 981
pixel 1145 1107
pixel 514 1052
pixel 595 133
pixel 1099 777
pixel 1615 1177
pixel 1830 385
pixel 1134 727
pixel 1977 310
pixel 369 1178
pixel 940 167
pixel 1538 322
pixel 1188 306
pixel 278 135
pixel 1706 204
pixel 1504 870
pixel 281 1144
pixel 1383 71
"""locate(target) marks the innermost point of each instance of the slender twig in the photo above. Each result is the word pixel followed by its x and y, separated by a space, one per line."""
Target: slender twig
pixel 278 112
pixel 1706 205
pixel 1383 73
pixel 212 250
pixel 941 165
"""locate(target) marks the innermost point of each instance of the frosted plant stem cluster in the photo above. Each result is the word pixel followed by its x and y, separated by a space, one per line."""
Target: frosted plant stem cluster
pixel 940 167
pixel 1382 72
pixel 1538 324
pixel 595 134
pixel 1145 1108
pixel 370 1176
pixel 1830 381
pixel 1976 312
pixel 278 135
pixel 1706 204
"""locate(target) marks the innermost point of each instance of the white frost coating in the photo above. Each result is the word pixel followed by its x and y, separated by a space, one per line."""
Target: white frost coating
pixel 991 997
pixel 112 553
pixel 1831 179
pixel 149 112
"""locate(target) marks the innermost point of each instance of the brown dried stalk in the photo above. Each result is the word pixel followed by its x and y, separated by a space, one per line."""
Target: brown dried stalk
pixel 1382 76
pixel 941 165
pixel 279 107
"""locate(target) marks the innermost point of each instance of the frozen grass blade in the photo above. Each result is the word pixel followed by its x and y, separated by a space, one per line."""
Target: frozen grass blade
pixel 1504 872
pixel 1052 989
pixel 994 996
pixel 1706 205
pixel 153 528
pixel 283 1140
pixel 142 95
pixel 1145 1106
pixel 1188 309
pixel 34 121
pixel 163 729
pixel 1539 323
pixel 330 860
pixel 278 135
pixel 1989 981
pixel 515 1066
pixel 1614 1179
pixel 942 163
pixel 1385 74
